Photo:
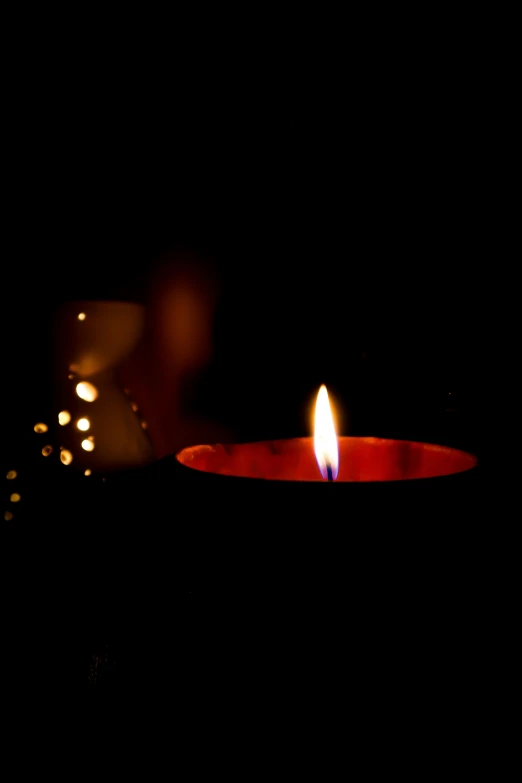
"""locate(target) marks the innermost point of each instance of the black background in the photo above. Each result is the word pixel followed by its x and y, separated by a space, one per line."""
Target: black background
pixel 353 236
pixel 343 263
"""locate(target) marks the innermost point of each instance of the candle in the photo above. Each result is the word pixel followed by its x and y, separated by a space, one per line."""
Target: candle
pixel 326 531
pixel 327 457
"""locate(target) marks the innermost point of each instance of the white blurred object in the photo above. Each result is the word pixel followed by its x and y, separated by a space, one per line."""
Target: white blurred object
pixel 88 351
pixel 99 341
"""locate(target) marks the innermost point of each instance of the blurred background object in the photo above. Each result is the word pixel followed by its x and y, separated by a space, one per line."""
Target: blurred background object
pixel 100 424
pixel 175 351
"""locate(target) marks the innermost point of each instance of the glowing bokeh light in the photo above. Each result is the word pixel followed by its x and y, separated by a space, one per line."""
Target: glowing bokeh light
pixel 87 472
pixel 47 450
pixel 12 474
pixel 8 516
pixel 83 424
pixel 66 456
pixel 134 407
pixel 64 417
pixel 81 316
pixel 88 444
pixel 41 427
pixel 144 425
pixel 86 391
pixel 15 497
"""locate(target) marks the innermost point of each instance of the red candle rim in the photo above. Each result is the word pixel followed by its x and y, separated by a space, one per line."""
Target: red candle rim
pixel 360 460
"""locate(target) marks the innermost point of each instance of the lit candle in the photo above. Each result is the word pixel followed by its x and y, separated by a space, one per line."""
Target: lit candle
pixel 325 457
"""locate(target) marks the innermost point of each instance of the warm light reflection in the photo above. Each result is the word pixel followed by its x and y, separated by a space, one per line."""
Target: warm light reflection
pixel 134 407
pixel 41 427
pixel 47 450
pixel 15 497
pixel 8 516
pixel 83 424
pixel 88 444
pixel 81 316
pixel 86 391
pixel 87 472
pixel 66 456
pixel 325 438
pixel 12 474
pixel 144 425
pixel 71 376
pixel 64 417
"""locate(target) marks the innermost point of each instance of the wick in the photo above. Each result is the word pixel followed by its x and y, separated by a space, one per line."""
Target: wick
pixel 329 471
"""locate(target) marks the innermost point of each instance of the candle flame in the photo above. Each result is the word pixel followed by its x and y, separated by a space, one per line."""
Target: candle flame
pixel 325 438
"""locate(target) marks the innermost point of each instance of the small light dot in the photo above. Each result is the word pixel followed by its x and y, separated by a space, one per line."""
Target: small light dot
pixel 64 417
pixel 41 427
pixel 12 474
pixel 144 425
pixel 8 516
pixel 15 497
pixel 86 391
pixel 134 407
pixel 87 472
pixel 83 424
pixel 71 376
pixel 81 316
pixel 88 444
pixel 66 456
pixel 47 450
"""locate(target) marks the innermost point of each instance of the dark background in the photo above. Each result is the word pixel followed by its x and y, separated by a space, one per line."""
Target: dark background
pixel 354 239
pixel 354 263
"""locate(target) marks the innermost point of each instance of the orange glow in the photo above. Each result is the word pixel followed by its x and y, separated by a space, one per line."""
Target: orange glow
pixel 83 424
pixel 8 516
pixel 88 444
pixel 41 427
pixel 64 417
pixel 12 474
pixel 66 456
pixel 87 472
pixel 81 316
pixel 47 450
pixel 15 497
pixel 86 391
pixel 325 438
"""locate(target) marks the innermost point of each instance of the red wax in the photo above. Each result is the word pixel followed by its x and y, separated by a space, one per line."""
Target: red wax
pixel 360 459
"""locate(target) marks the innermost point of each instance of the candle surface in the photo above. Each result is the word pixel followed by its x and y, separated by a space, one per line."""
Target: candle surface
pixel 360 459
